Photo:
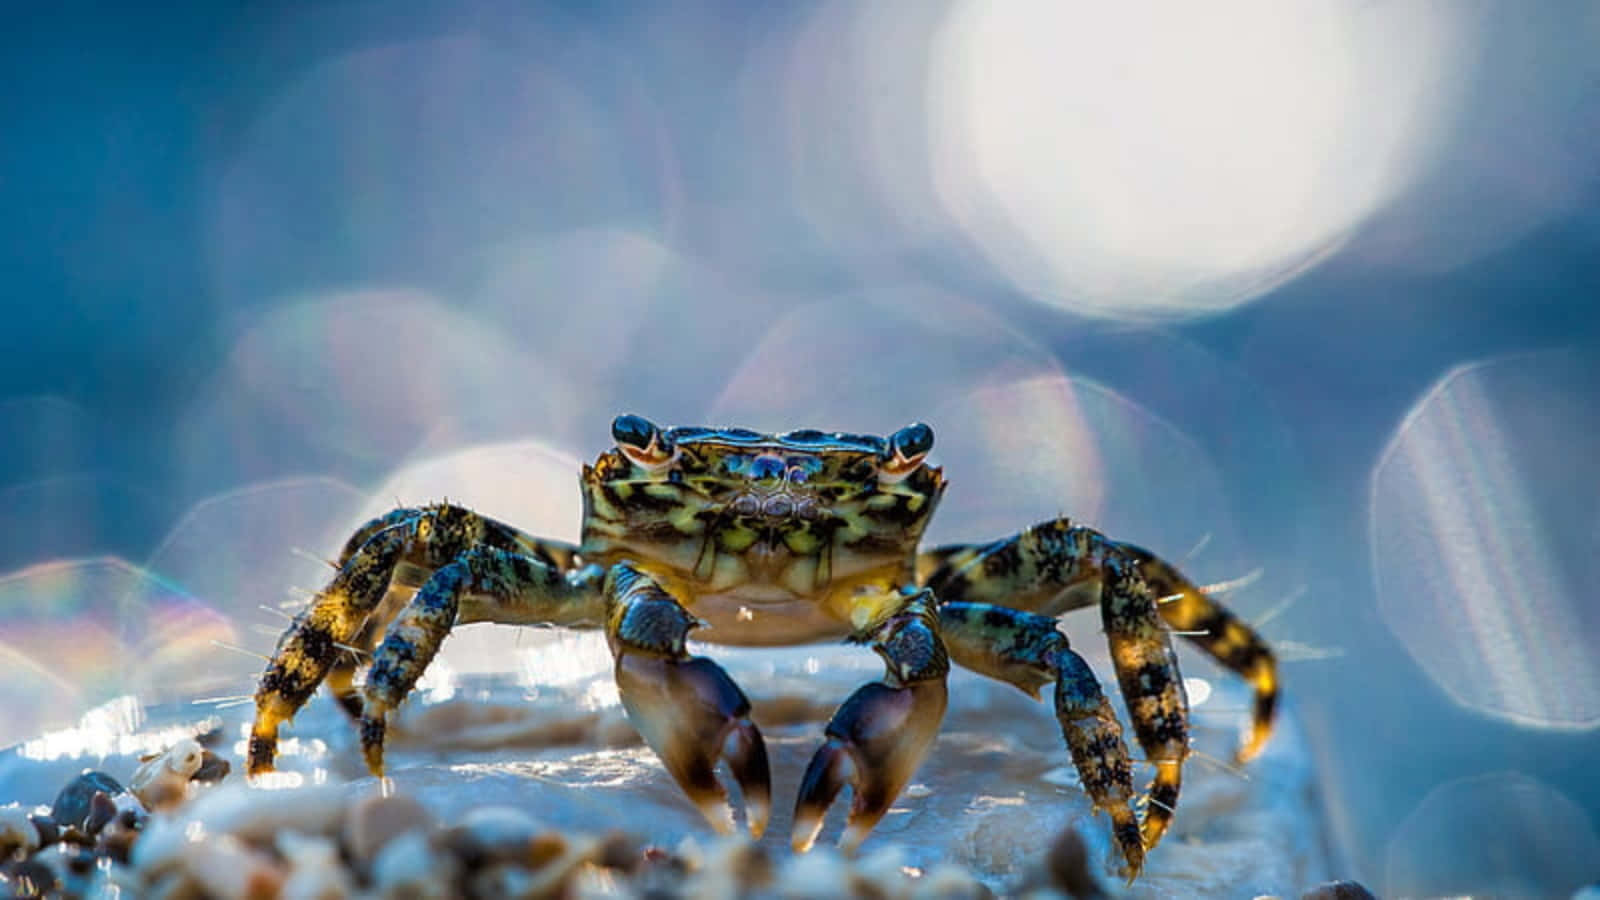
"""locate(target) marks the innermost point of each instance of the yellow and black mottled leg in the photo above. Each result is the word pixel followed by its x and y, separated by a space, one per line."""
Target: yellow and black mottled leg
pixel 1222 635
pixel 1026 650
pixel 1055 566
pixel 879 736
pixel 404 583
pixel 325 640
pixel 483 584
pixel 315 640
pixel 685 707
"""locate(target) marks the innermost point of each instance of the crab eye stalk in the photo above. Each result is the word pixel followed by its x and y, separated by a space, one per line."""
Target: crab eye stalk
pixel 907 448
pixel 642 442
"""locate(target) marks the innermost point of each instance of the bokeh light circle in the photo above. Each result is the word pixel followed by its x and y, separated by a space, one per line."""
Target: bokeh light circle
pixel 355 379
pixel 1139 161
pixel 1501 834
pixel 627 322
pixel 77 634
pixel 411 155
pixel 1484 544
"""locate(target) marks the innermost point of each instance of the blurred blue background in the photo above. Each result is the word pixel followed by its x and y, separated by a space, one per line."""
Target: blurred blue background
pixel 1303 291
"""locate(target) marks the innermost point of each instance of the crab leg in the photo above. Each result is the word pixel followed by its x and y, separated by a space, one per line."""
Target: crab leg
pixel 409 575
pixel 1055 566
pixel 685 707
pixel 483 584
pixel 1222 635
pixel 880 734
pixel 402 546
pixel 310 647
pixel 1051 568
pixel 1026 650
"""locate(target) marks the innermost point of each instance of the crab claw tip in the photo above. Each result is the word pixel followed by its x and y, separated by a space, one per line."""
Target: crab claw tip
pixel 830 770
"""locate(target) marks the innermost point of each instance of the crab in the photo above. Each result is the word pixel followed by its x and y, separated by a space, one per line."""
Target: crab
pixel 782 539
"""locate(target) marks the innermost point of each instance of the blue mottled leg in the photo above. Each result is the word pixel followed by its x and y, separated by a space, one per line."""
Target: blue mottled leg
pixel 1026 650
pixel 685 707
pixel 483 584
pixel 879 736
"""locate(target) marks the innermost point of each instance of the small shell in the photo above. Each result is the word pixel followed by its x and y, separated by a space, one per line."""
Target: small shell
pixel 162 781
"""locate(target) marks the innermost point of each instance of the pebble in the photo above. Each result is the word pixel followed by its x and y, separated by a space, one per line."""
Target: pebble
pixel 492 834
pixel 410 866
pixel 17 831
pixel 1338 890
pixel 316 871
pixel 333 841
pixel 373 821
pixel 72 804
pixel 225 866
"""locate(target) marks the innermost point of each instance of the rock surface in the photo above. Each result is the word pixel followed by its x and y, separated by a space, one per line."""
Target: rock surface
pixel 992 798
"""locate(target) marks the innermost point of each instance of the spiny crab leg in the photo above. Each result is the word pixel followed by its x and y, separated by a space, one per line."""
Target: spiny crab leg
pixel 685 707
pixel 881 733
pixel 1026 650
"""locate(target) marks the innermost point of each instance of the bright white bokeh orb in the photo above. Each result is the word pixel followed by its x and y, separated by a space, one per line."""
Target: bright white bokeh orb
pixel 1142 161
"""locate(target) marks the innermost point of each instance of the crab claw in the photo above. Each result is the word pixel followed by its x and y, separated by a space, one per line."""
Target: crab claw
pixel 692 714
pixel 875 742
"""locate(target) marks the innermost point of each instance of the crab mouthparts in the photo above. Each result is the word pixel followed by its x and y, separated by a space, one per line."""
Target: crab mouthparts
pixel 773 508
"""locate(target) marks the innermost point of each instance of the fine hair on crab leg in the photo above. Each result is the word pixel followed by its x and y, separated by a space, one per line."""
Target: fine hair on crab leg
pixel 1221 635
pixel 1026 650
pixel 685 707
pixel 400 547
pixel 1056 566
pixel 1147 672
pixel 483 584
pixel 308 649
pixel 880 735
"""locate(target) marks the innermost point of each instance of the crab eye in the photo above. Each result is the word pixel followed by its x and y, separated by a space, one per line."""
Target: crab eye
pixel 641 441
pixel 907 448
pixel 911 441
